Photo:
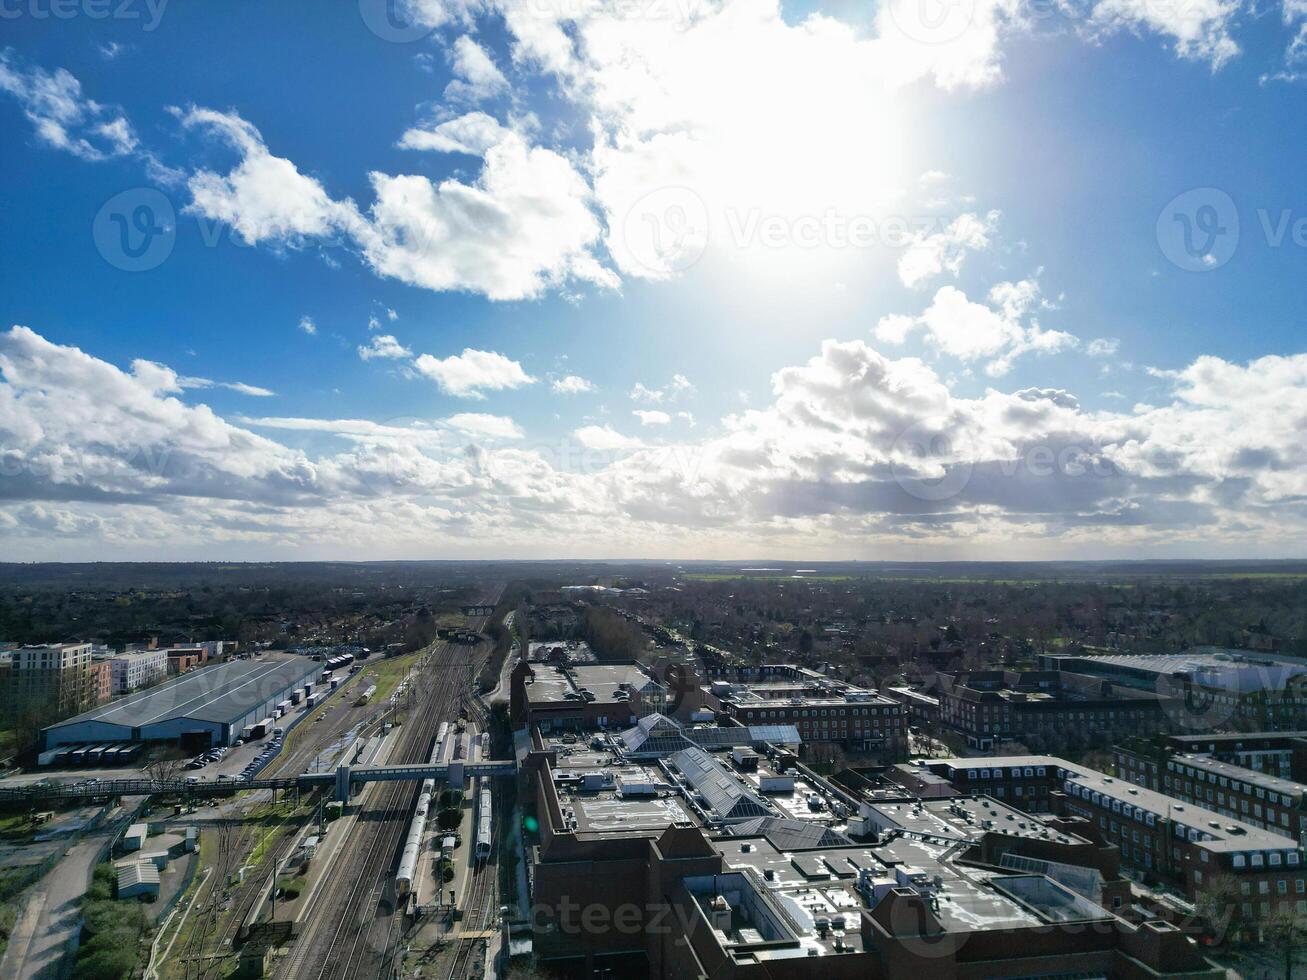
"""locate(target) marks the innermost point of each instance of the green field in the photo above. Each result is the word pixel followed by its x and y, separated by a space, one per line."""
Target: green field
pixel 736 576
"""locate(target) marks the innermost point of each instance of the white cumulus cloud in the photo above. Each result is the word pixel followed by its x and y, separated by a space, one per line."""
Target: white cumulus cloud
pixel 468 374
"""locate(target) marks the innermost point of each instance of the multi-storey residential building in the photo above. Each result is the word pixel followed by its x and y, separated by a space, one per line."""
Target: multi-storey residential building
pixel 1161 835
pixel 55 678
pixel 102 678
pixel 994 705
pixel 1258 798
pixel 923 708
pixel 822 708
pixel 135 670
pixel 1282 754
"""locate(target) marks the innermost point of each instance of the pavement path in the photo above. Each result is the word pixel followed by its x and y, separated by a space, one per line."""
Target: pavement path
pixel 46 933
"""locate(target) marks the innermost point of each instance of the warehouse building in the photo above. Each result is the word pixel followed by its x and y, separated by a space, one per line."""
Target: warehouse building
pixel 204 707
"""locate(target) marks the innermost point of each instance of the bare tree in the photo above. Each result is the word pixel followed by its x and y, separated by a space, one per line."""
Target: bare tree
pixel 1287 933
pixel 1218 902
pixel 165 770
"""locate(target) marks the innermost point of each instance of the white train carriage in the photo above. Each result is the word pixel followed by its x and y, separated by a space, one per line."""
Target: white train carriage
pixel 485 825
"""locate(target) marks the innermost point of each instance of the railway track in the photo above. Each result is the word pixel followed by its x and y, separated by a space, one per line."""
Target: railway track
pixel 222 913
pixel 479 904
pixel 355 928
pixel 477 917
pixel 363 944
pixel 207 915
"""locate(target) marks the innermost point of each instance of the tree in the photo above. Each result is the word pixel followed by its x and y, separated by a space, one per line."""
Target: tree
pixel 825 756
pixel 165 769
pixel 1286 933
pixel 1217 901
pixel 610 636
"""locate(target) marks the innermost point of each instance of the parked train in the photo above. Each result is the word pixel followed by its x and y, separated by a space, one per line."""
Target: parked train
pixel 408 862
pixel 485 825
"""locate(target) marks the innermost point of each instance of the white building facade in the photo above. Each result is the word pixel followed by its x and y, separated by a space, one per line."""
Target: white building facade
pixel 133 671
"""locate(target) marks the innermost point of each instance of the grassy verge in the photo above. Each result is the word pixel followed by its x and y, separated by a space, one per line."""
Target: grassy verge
pixel 387 674
pixel 15 826
pixel 274 821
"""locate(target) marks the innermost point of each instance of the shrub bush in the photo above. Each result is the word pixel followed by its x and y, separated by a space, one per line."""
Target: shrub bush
pixel 112 932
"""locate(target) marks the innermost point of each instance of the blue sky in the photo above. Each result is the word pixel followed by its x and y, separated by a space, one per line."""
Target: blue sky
pixel 517 195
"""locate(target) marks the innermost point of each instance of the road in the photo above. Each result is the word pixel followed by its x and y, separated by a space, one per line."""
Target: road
pixel 48 928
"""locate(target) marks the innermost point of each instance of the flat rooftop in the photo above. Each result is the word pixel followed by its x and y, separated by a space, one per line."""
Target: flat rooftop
pixel 966 819
pixel 604 808
pixel 760 694
pixel 220 694
pixel 795 804
pixel 823 883
pixel 1239 774
pixel 553 684
pixel 1238 740
pixel 1218 832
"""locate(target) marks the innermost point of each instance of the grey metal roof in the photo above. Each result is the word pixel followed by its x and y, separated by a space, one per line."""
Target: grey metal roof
pixel 220 694
pixel 725 795
pixel 658 735
pixel 786 834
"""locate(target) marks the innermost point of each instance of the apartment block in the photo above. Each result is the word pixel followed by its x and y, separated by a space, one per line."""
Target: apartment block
pixel 995 705
pixel 822 708
pixel 1163 836
pixel 135 670
pixel 102 680
pixel 56 677
pixel 1256 797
